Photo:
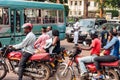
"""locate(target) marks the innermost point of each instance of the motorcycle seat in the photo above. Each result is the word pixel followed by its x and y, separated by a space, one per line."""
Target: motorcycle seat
pixel 42 56
pixel 111 64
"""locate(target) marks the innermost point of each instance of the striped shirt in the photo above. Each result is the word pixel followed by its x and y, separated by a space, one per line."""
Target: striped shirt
pixel 27 44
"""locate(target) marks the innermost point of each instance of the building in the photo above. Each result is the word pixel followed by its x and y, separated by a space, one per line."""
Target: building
pixel 77 7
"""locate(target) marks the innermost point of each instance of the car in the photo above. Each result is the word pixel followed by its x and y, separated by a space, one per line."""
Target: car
pixel 110 26
pixel 86 25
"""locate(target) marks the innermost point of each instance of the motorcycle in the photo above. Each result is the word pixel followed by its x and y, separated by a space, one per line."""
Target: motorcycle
pixel 109 69
pixel 39 66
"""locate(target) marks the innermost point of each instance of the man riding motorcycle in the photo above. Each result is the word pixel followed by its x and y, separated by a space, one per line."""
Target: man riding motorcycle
pixel 95 51
pixel 113 56
pixel 28 47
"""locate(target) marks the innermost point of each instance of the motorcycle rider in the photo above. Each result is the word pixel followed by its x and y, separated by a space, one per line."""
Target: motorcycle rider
pixel 49 31
pixel 28 47
pixel 114 53
pixel 95 51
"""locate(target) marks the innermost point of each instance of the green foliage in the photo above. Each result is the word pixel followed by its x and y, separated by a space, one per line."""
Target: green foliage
pixel 66 10
pixel 115 13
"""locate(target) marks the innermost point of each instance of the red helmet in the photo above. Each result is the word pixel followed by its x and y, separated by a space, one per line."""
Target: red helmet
pixel 27 25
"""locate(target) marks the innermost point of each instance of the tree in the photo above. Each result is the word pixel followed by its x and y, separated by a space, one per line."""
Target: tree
pixel 85 9
pixel 101 7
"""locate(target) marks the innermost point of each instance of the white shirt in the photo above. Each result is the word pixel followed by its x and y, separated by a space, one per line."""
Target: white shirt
pixel 50 33
pixel 27 44
pixel 76 25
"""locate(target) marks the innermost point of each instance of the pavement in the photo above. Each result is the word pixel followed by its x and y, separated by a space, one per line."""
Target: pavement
pixel 68 46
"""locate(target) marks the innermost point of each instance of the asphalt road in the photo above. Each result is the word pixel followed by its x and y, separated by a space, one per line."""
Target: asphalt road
pixel 68 46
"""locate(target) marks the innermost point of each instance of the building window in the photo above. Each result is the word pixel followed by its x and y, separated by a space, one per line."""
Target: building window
pixel 80 3
pixel 71 2
pixel 88 3
pixel 70 12
pixel 95 4
pixel 75 2
pixel 75 12
pixel 79 12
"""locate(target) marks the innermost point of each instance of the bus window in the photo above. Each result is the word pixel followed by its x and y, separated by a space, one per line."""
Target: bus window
pixel 4 16
pixel 60 16
pixel 49 16
pixel 32 15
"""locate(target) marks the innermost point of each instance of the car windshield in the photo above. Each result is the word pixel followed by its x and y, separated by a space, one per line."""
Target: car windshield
pixel 89 23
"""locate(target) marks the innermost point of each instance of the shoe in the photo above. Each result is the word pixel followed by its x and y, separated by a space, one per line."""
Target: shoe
pixel 98 77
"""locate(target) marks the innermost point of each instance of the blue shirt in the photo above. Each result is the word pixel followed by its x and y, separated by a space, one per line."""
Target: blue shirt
pixel 114 44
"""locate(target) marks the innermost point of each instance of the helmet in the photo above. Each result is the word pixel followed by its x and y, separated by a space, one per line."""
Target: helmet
pixel 29 25
pixel 93 34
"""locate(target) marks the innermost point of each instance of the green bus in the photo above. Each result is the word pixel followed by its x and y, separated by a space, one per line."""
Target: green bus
pixel 13 14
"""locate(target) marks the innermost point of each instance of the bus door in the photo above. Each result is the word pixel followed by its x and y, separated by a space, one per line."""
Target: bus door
pixel 15 20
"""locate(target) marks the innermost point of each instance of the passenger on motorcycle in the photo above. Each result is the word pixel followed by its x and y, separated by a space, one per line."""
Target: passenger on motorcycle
pixel 41 41
pixel 53 44
pixel 95 51
pixel 28 47
pixel 114 53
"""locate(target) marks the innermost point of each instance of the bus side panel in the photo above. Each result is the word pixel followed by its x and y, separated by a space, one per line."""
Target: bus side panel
pixel 5 41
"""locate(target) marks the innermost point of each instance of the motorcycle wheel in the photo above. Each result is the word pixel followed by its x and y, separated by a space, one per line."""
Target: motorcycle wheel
pixel 63 76
pixel 3 71
pixel 111 75
pixel 42 70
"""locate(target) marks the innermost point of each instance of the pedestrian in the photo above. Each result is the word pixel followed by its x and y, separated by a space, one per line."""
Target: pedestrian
pixel 49 31
pixel 76 32
pixel 28 45
pixel 95 51
pixel 104 36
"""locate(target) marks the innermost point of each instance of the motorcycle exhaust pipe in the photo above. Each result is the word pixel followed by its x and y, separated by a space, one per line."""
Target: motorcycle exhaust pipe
pixel 35 75
pixel 26 69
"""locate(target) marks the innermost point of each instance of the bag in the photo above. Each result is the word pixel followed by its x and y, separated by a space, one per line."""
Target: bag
pixel 48 46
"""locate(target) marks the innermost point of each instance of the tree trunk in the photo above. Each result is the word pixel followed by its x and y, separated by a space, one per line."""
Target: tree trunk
pixel 101 9
pixel 85 9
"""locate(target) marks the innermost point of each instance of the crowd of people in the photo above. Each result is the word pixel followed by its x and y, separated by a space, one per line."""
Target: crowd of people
pixel 31 46
pixel 109 43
